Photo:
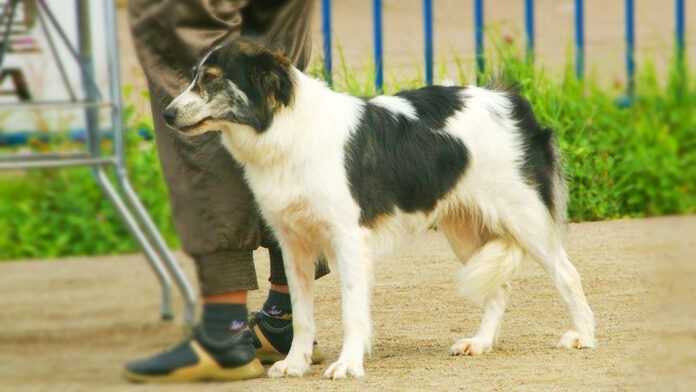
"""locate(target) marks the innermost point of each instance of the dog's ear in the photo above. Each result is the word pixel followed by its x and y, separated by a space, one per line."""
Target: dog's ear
pixel 273 78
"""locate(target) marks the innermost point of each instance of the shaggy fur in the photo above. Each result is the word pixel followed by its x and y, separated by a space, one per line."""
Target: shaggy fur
pixel 347 177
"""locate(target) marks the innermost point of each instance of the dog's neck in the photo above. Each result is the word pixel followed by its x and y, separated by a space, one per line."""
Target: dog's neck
pixel 310 104
pixel 315 109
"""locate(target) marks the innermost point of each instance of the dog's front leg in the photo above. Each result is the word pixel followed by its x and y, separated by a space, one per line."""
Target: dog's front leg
pixel 355 267
pixel 299 270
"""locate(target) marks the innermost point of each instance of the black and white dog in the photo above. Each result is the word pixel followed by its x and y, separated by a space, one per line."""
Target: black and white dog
pixel 346 177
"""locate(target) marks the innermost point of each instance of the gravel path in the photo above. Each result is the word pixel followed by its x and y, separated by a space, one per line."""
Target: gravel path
pixel 71 324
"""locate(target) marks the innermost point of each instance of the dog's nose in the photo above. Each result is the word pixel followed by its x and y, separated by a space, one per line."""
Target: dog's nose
pixel 169 115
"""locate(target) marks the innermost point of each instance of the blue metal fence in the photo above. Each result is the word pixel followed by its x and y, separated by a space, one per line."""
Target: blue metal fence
pixel 326 32
pixel 680 31
pixel 478 34
pixel 379 65
pixel 580 39
pixel 529 28
pixel 479 29
pixel 428 33
pixel 630 48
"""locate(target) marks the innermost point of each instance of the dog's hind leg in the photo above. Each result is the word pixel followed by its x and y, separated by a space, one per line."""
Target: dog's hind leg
pixel 482 342
pixel 568 283
pixel 485 280
pixel 355 269
pixel 299 261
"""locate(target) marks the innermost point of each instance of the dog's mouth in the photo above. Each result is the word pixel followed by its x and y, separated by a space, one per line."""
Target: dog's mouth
pixel 197 128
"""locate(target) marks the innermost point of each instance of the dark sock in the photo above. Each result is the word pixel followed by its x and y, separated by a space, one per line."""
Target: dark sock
pixel 222 320
pixel 277 304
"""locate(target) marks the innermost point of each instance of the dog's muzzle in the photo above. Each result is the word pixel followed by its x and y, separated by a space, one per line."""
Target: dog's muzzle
pixel 169 115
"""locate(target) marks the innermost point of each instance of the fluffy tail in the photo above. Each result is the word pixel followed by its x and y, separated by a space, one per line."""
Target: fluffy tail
pixel 489 269
pixel 558 181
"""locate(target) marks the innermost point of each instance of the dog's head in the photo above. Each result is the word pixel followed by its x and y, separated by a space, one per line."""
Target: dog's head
pixel 239 83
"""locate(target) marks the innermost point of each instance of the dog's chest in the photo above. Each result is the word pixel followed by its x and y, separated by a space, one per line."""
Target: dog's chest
pixel 299 219
pixel 290 202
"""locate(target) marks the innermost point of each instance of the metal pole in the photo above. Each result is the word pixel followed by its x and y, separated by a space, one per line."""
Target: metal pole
pixel 630 49
pixel 115 88
pixel 56 25
pixel 93 142
pixel 66 41
pixel 680 23
pixel 377 25
pixel 478 28
pixel 529 28
pixel 86 62
pixel 8 29
pixel 149 228
pixel 428 36
pixel 326 30
pixel 102 179
pixel 56 56
pixel 579 39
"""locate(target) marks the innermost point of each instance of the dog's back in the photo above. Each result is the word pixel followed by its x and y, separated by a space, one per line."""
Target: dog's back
pixel 444 151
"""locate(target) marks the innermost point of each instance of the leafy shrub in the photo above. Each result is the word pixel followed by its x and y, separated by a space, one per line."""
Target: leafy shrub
pixel 620 162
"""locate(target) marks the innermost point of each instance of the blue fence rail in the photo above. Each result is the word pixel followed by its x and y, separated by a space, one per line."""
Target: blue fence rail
pixel 479 30
pixel 428 33
pixel 580 39
pixel 529 28
pixel 478 37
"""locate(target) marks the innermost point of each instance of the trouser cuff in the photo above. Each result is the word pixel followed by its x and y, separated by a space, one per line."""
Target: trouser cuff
pixel 226 271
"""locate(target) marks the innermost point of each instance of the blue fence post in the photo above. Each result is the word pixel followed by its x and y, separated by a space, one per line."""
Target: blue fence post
pixel 478 26
pixel 379 71
pixel 630 49
pixel 428 36
pixel 680 23
pixel 580 39
pixel 326 30
pixel 529 28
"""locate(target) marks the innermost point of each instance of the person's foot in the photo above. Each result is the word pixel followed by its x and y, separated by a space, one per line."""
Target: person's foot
pixel 272 335
pixel 200 358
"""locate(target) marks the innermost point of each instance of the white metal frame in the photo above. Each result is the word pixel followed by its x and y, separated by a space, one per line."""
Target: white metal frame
pixel 121 195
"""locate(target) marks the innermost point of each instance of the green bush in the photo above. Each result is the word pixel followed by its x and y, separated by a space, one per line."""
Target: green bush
pixel 620 162
pixel 54 213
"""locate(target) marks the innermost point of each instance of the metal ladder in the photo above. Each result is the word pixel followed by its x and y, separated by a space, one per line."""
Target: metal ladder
pixel 121 194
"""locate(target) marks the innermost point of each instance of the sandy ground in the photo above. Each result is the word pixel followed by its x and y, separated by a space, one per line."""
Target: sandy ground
pixel 71 324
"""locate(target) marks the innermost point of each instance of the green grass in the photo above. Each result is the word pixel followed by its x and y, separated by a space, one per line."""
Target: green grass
pixel 632 162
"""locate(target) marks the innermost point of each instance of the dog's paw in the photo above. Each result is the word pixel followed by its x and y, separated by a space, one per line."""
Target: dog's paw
pixel 343 368
pixel 470 346
pixel 287 368
pixel 572 339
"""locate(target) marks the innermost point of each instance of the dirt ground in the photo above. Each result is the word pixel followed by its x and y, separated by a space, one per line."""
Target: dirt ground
pixel 69 325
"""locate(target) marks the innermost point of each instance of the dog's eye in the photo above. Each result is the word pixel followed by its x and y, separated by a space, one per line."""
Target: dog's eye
pixel 211 74
pixel 208 77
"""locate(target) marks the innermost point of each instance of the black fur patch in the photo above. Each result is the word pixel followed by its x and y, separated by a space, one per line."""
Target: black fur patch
pixel 434 104
pixel 262 75
pixel 393 161
pixel 540 165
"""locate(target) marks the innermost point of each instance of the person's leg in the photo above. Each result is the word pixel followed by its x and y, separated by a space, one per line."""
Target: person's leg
pixel 272 326
pixel 213 209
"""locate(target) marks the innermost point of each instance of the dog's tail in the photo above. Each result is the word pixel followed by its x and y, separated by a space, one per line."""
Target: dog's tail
pixel 558 181
pixel 489 269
